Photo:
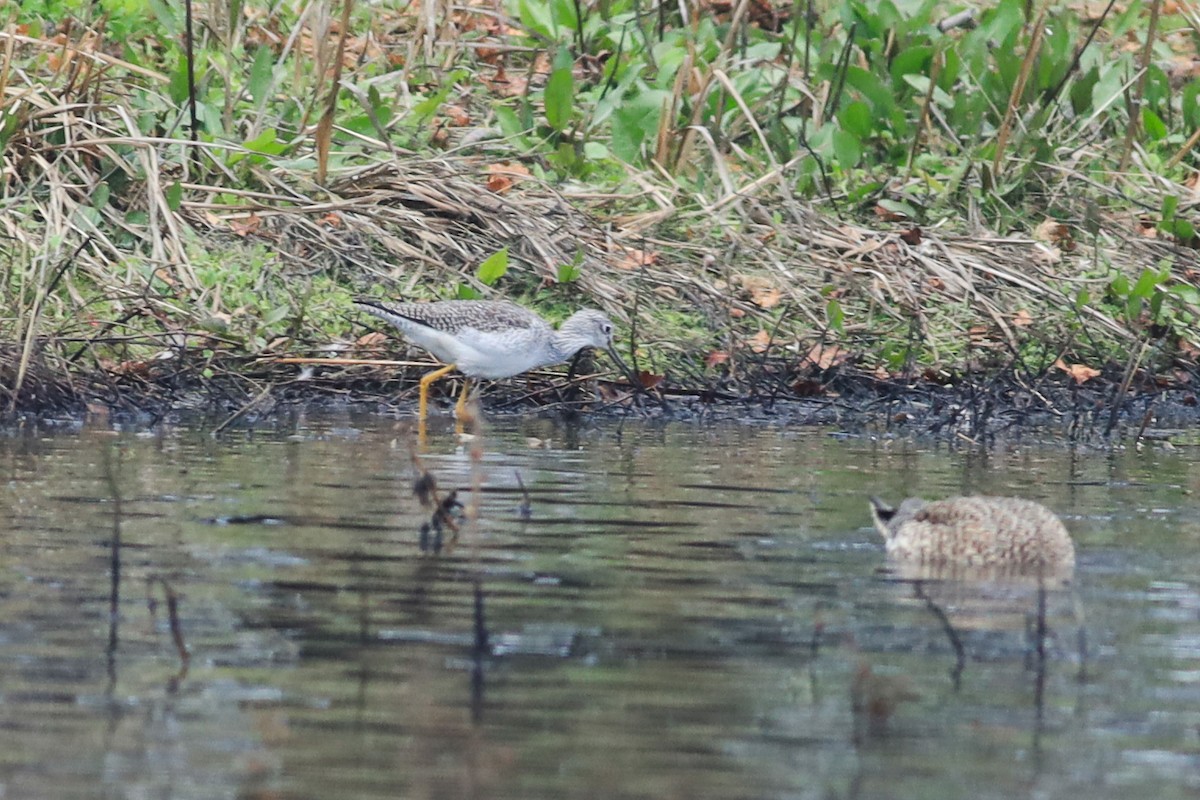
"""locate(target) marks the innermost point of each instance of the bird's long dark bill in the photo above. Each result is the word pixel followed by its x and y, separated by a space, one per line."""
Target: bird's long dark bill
pixel 634 381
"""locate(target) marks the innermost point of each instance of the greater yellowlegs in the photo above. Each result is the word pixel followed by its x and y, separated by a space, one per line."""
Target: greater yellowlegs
pixel 989 532
pixel 491 338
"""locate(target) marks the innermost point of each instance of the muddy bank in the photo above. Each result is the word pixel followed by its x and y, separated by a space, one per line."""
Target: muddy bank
pixel 1005 404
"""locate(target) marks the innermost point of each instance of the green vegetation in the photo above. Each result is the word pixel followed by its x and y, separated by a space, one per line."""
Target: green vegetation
pixel 900 183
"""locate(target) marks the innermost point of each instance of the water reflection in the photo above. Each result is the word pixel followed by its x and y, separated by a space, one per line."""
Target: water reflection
pixel 638 612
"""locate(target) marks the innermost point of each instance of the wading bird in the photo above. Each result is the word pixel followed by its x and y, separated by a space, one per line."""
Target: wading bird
pixel 1007 533
pixel 491 338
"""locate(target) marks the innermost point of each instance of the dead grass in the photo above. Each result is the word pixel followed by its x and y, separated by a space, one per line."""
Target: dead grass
pixel 708 285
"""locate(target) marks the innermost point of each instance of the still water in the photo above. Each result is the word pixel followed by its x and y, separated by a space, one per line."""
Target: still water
pixel 687 612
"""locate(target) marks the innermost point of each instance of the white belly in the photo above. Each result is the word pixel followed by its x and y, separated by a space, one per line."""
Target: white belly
pixel 484 354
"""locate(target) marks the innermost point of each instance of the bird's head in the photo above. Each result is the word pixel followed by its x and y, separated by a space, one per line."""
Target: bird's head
pixel 888 519
pixel 591 328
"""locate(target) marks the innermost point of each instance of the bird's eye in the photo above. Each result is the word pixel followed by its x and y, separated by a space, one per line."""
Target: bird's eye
pixel 607 328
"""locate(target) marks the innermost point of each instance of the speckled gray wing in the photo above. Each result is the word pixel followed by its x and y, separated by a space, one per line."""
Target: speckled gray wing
pixel 451 316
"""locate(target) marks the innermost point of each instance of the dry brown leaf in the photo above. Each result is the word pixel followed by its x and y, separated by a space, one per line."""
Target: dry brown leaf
pixel 132 368
pixel 766 297
pixel 824 356
pixel 457 116
pixel 371 340
pixel 1022 319
pixel 1080 373
pixel 887 215
pixel 441 135
pixel 807 387
pixel 979 334
pixel 506 85
pixel 715 357
pixel 244 226
pixel 649 379
pixel 760 341
pixel 637 258
pixel 498 183
pixel 512 169
pixel 1051 231
pixel 761 289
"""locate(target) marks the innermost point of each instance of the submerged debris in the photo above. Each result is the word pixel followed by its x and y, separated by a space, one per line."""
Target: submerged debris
pixel 874 698
pixel 172 599
pixel 525 509
pixel 446 511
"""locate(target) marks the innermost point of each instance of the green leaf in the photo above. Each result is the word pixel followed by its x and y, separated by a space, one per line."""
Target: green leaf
pixel 262 77
pixel 276 314
pixel 1082 298
pixel 168 15
pixel 911 60
pixel 1156 129
pixel 1145 283
pixel 1082 89
pixel 1133 307
pixel 1187 102
pixel 635 122
pixel 847 148
pixel 871 88
pixel 177 87
pixel 509 122
pixel 921 84
pixel 1109 85
pixel 899 207
pixel 175 196
pixel 100 196
pixel 465 292
pixel 429 106
pixel 596 151
pixel 856 118
pixel 1184 230
pixel 536 16
pixel 560 91
pixel 1169 204
pixel 266 144
pixel 87 213
pixel 493 267
pixel 567 273
pixel 1156 303
pixel 835 314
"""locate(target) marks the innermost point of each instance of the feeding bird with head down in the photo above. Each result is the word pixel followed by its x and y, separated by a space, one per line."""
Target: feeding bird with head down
pixel 994 533
pixel 491 339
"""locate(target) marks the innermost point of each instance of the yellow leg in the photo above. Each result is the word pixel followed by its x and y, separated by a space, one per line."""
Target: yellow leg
pixel 423 397
pixel 460 408
pixel 461 405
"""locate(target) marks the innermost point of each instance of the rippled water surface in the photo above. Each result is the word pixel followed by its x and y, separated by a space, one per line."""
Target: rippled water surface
pixel 687 612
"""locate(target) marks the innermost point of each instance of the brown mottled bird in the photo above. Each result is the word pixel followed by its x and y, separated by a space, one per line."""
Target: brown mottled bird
pixel 1001 533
